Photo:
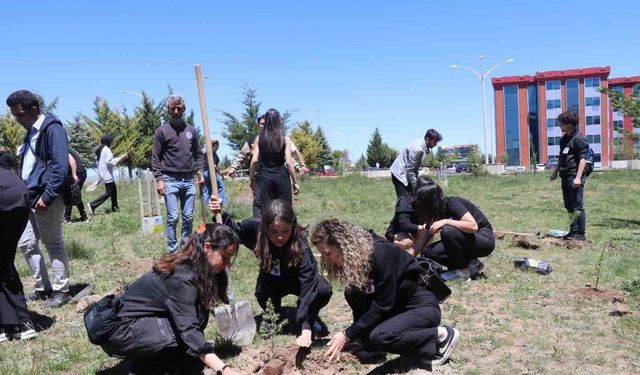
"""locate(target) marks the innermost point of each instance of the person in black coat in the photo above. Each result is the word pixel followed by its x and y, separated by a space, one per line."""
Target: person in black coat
pixel 161 317
pixel 287 265
pixel 15 322
pixel 392 309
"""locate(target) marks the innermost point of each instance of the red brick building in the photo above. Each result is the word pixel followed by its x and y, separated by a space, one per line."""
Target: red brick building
pixel 527 109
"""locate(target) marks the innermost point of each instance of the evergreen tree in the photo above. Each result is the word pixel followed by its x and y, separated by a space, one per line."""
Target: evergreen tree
pixel 303 137
pixel 361 164
pixel 324 158
pixel 147 117
pixel 80 140
pixel 380 152
pixel 238 129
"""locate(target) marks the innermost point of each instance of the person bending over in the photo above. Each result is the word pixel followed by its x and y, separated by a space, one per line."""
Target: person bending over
pixel 161 317
pixel 287 265
pixel 392 309
pixel 405 167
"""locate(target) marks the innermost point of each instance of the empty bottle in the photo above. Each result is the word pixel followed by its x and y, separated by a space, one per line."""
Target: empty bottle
pixel 542 267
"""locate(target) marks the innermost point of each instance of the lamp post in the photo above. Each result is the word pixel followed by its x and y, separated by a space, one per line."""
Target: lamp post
pixel 139 95
pixel 483 75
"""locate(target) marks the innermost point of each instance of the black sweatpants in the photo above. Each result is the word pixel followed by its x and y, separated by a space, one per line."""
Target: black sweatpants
pixel 399 186
pixel 257 202
pixel 456 248
pixel 110 191
pixel 274 288
pixel 13 306
pixel 574 204
pixel 274 184
pixel 67 210
pixel 152 342
pixel 409 329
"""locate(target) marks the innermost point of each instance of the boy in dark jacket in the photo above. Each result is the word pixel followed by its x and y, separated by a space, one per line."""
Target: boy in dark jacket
pixel 572 162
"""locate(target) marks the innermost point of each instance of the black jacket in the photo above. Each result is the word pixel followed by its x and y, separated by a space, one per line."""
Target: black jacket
pixel 176 149
pixel 404 219
pixel 394 276
pixel 173 296
pixel 573 148
pixel 306 272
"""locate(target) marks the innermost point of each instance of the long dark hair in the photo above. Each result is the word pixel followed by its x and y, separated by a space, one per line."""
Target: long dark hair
pixel 106 140
pixel 212 287
pixel 273 132
pixel 281 211
pixel 428 200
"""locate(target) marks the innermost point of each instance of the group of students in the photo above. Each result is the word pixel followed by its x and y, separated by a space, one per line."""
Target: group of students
pixel 394 310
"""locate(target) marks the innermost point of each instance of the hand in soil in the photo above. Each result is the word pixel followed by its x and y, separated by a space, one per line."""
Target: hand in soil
pixel 304 340
pixel 336 344
pixel 232 371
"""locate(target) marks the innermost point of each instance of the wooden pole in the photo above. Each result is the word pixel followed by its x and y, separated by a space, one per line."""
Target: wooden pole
pixel 141 199
pixel 207 137
pixel 149 196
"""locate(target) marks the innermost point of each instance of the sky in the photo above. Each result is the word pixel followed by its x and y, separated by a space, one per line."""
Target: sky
pixel 347 66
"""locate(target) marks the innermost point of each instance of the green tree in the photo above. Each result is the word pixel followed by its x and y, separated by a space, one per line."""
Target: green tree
pixel 380 152
pixel 630 106
pixel 337 162
pixel 80 140
pixel 237 129
pixel 324 158
pixel 147 117
pixel 361 164
pixel 431 161
pixel 303 137
pixel 475 160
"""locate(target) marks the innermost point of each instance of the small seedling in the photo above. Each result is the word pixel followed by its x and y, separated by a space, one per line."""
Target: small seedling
pixel 271 325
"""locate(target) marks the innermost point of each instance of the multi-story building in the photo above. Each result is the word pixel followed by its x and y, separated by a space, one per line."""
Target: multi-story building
pixel 459 152
pixel 527 109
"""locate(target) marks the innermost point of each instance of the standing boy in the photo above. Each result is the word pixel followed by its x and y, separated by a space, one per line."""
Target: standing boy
pixel 404 170
pixel 572 161
pixel 176 158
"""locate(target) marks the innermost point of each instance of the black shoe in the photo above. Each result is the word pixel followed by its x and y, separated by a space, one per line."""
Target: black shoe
pixel 66 221
pixel 443 349
pixel 57 300
pixel 39 295
pixel 475 268
pixel 24 331
pixel 576 237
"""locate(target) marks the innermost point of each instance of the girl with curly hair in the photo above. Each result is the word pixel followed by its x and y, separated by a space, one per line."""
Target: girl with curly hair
pixel 392 309
pixel 287 265
pixel 159 320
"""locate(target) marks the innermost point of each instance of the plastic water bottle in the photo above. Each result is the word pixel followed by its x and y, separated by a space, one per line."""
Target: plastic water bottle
pixel 542 267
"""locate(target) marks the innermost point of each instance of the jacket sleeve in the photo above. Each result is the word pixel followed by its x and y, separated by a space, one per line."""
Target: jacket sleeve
pixel 198 156
pixel 247 230
pixel 156 155
pixel 57 163
pixel 581 148
pixel 181 303
pixel 308 276
pixel 237 162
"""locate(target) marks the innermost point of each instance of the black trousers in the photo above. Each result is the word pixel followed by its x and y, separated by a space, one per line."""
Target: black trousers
pixel 13 306
pixel 152 342
pixel 257 202
pixel 67 209
pixel 274 184
pixel 274 288
pixel 574 204
pixel 110 191
pixel 399 186
pixel 456 248
pixel 409 329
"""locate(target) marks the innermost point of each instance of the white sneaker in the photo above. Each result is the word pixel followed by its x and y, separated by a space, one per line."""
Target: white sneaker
pixel 444 348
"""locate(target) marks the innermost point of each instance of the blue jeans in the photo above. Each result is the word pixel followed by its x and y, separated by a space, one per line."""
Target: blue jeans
pixel 178 188
pixel 207 188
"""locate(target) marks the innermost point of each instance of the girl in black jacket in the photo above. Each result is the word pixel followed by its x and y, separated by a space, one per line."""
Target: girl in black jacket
pixel 392 310
pixel 161 317
pixel 287 265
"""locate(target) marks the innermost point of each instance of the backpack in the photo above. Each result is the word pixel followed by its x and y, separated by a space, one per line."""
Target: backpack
pixel 589 166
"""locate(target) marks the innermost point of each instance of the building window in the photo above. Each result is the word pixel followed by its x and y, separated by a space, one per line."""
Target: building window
pixel 532 117
pixel 554 103
pixel 552 85
pixel 595 138
pixel 593 120
pixel 592 101
pixel 512 125
pixel 553 141
pixel 592 82
pixel 619 89
pixel 573 101
pixel 552 123
pixel 618 124
pixel 636 89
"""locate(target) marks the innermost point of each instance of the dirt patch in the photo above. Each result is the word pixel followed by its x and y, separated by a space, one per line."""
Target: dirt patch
pixel 591 293
pixel 523 242
pixel 569 244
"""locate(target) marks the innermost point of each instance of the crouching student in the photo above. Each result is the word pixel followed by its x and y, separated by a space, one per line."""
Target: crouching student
pixel 160 318
pixel 465 232
pixel 406 228
pixel 392 310
pixel 287 265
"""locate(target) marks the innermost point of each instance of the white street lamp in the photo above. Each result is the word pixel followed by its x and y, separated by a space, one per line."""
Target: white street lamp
pixel 483 75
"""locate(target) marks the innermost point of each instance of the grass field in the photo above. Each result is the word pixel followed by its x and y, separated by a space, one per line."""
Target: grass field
pixel 511 322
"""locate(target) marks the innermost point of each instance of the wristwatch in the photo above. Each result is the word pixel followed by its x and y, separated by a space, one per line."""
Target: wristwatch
pixel 219 372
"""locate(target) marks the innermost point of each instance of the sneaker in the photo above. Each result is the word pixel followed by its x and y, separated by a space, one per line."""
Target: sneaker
pixel 3 335
pixel 576 237
pixel 84 220
pixel 39 295
pixel 24 331
pixel 57 300
pixel 443 349
pixel 475 267
pixel 66 221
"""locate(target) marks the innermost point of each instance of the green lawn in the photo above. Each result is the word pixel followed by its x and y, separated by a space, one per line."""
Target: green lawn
pixel 511 322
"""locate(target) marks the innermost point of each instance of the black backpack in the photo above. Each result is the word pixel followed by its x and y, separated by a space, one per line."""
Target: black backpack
pixel 589 167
